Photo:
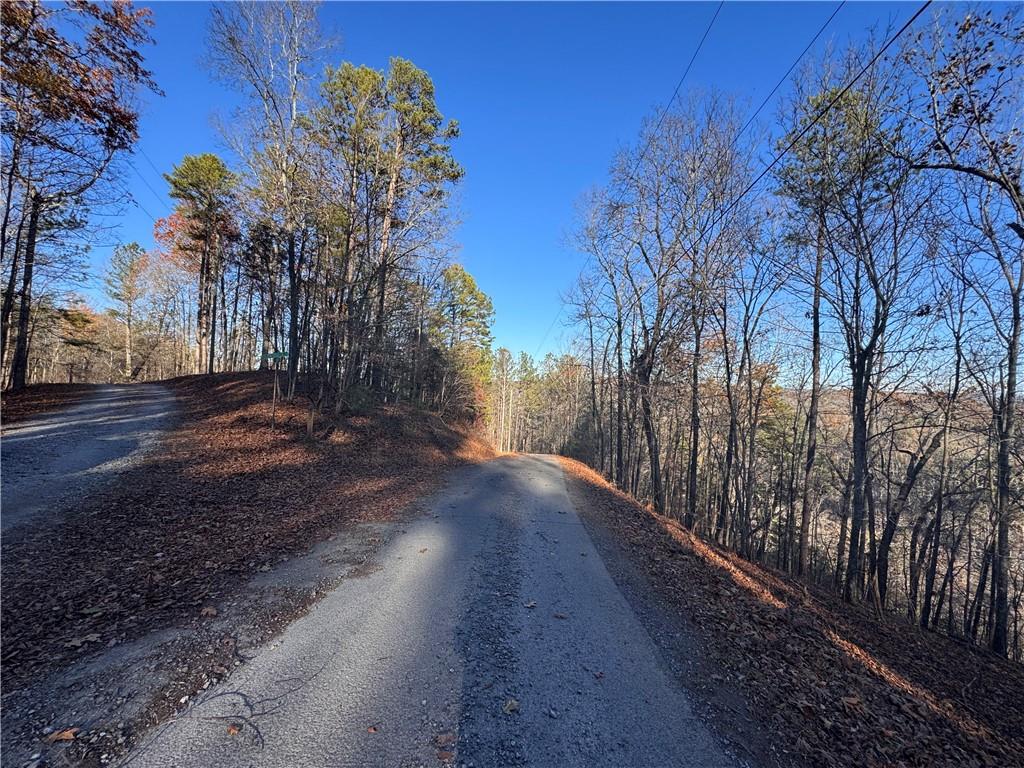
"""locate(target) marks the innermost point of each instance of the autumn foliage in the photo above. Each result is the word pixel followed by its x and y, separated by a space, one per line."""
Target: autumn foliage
pixel 836 685
pixel 227 495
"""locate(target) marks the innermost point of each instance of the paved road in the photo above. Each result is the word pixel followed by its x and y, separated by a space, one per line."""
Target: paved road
pixel 490 629
pixel 53 460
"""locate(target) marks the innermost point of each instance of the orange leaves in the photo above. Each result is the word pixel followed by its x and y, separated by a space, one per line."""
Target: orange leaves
pixel 831 682
pixel 444 743
pixel 852 704
pixel 68 734
pixel 222 498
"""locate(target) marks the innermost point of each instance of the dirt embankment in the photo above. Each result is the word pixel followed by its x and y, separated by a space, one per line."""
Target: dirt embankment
pixel 225 497
pixel 835 685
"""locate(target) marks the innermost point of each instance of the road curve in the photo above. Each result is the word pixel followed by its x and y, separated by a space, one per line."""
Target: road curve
pixel 489 634
pixel 52 461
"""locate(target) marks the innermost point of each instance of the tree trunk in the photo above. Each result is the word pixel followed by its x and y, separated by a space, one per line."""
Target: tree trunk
pixel 19 365
pixel 1001 558
pixel 651 435
pixel 293 314
pixel 128 341
pixel 620 398
pixel 691 476
pixel 812 411
pixel 9 292
pixel 854 565
pixel 844 516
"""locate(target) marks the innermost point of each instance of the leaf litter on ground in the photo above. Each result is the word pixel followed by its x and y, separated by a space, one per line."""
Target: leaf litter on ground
pixel 835 685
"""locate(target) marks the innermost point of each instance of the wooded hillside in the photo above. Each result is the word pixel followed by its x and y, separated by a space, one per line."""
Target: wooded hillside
pixel 798 334
pixel 324 252
pixel 813 359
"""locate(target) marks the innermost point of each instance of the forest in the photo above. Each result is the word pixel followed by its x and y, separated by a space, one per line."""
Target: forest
pixel 324 254
pixel 797 334
pixel 813 359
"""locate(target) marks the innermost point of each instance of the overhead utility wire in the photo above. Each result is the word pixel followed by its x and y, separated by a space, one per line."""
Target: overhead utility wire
pixel 148 185
pixel 639 159
pixel 801 134
pixel 835 100
pixel 790 70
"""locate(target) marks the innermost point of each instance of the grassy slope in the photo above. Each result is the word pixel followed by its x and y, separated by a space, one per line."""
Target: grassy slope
pixel 223 497
pixel 838 686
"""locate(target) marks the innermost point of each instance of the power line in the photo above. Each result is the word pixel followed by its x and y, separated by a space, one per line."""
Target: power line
pixel 148 160
pixel 152 165
pixel 791 68
pixel 148 185
pixel 140 205
pixel 639 159
pixel 554 320
pixel 835 100
pixel 686 71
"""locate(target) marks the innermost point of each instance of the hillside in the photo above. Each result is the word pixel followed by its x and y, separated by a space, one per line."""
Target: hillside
pixel 224 497
pixel 833 684
pixel 220 540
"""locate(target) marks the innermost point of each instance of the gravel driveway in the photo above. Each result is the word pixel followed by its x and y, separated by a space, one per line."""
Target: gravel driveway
pixel 51 461
pixel 490 634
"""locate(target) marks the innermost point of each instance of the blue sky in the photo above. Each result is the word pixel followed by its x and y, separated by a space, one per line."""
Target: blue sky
pixel 545 95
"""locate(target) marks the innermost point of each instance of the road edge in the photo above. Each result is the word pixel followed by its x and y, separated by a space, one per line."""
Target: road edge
pixel 715 697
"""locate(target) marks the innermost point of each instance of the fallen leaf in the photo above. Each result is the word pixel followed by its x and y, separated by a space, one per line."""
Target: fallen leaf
pixel 424 550
pixel 510 706
pixel 444 755
pixel 208 612
pixel 372 729
pixel 851 702
pixel 68 734
pixel 531 604
pixel 445 739
pixel 234 729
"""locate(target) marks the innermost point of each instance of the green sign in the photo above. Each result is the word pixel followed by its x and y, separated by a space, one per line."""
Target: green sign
pixel 275 355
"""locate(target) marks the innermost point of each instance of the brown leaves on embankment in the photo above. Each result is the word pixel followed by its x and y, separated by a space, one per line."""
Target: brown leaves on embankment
pixel 223 497
pixel 40 399
pixel 837 686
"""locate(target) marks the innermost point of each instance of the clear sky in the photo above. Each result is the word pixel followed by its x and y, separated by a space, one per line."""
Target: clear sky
pixel 545 94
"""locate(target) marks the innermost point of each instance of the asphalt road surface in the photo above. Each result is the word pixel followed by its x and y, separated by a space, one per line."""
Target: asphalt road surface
pixel 54 460
pixel 488 634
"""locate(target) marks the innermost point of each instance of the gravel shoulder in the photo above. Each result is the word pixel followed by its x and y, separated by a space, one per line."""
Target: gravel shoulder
pixel 53 460
pixel 712 687
pixel 42 399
